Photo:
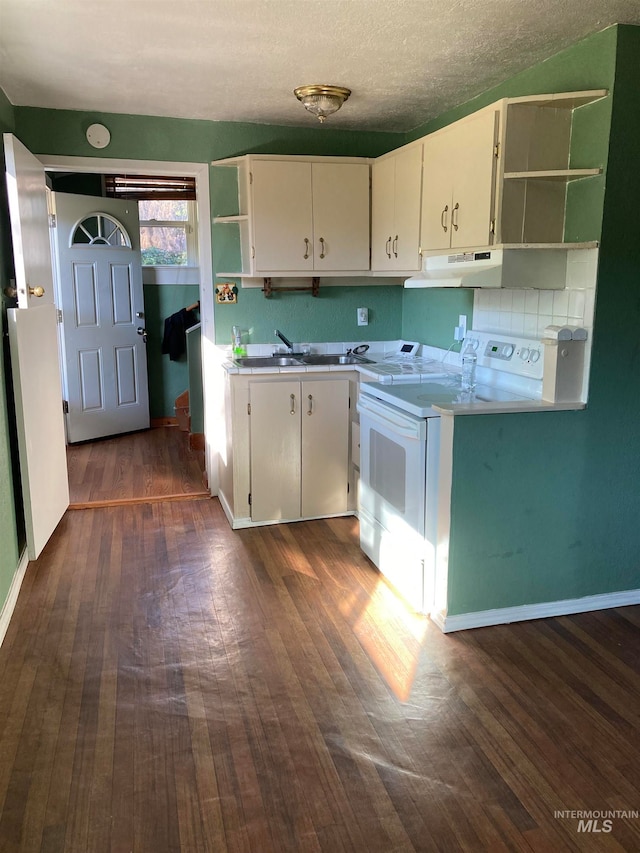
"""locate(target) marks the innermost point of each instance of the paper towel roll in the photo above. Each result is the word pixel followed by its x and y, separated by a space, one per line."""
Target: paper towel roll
pixel 558 333
pixel 565 333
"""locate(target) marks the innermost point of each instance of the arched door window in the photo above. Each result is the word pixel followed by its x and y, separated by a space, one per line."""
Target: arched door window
pixel 100 229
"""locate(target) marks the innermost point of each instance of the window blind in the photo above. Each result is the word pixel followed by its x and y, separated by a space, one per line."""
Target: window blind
pixel 149 187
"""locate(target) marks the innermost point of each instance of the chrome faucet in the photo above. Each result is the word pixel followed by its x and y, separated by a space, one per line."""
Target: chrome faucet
pixel 284 340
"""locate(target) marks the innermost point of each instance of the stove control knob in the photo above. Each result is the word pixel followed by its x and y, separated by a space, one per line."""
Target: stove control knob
pixel 524 353
pixel 507 350
pixel 535 355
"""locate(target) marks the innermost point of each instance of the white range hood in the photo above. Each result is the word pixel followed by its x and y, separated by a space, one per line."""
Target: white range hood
pixel 525 266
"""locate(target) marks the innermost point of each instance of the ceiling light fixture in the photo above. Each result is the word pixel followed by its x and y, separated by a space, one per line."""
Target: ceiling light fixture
pixel 322 100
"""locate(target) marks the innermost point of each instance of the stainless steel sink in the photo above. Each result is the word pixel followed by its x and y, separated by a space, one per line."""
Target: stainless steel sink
pixel 299 361
pixel 334 359
pixel 268 361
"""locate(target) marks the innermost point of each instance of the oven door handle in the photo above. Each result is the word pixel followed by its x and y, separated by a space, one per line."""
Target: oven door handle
pixel 399 425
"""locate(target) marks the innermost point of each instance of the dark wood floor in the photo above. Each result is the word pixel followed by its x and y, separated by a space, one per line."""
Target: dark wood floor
pixel 155 464
pixel 167 684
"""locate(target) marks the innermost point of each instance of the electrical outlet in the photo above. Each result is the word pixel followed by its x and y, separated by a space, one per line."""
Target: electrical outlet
pixel 460 331
pixel 363 316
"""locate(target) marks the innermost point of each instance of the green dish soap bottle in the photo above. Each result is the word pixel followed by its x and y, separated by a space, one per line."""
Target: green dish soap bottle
pixel 239 349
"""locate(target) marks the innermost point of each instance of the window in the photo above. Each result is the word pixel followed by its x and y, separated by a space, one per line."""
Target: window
pixel 167 211
pixel 167 233
pixel 100 229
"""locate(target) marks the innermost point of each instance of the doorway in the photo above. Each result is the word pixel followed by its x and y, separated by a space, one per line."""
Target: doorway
pixel 92 167
pixel 138 467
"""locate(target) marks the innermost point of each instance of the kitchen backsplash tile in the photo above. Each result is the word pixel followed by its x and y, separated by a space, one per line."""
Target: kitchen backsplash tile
pixel 528 312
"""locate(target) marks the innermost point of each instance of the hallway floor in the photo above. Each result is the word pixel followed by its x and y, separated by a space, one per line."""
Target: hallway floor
pixel 154 464
pixel 167 684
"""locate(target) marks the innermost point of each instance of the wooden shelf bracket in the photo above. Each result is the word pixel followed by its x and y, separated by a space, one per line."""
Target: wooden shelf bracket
pixel 268 288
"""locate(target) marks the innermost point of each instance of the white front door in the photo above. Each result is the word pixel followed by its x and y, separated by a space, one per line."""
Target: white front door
pixel 35 361
pixel 103 338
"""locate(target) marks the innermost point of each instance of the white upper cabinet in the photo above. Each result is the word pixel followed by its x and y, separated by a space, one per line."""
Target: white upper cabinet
pixel 301 216
pixel 395 211
pixel 282 215
pixel 340 216
pixel 500 176
pixel 458 183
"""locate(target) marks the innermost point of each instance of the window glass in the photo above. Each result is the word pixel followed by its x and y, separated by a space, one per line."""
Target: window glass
pixel 163 246
pixel 167 233
pixel 164 211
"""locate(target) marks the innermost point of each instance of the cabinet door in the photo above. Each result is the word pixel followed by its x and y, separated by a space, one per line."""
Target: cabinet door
pixel 341 216
pixel 383 174
pixel 405 242
pixel 437 188
pixel 282 215
pixel 473 152
pixel 275 450
pixel 325 447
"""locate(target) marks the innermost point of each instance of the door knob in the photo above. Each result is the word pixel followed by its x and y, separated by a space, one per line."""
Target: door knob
pixel 12 293
pixel 142 332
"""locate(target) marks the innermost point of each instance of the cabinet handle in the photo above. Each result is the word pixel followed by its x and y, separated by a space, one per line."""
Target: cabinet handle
pixel 322 247
pixel 443 217
pixel 395 247
pixel 292 397
pixel 310 409
pixel 388 247
pixel 454 213
pixel 306 248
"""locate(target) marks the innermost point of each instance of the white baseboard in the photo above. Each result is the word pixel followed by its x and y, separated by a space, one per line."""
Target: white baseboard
pixel 244 523
pixel 12 596
pixel 522 613
pixel 225 507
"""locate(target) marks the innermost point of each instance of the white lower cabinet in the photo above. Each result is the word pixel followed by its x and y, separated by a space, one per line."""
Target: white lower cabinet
pixel 299 448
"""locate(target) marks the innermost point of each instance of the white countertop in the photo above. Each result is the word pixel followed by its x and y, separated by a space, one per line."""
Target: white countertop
pixel 491 407
pixel 387 367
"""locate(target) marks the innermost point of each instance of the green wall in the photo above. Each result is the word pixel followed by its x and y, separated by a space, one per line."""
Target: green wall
pixel 9 527
pixel 187 140
pixel 430 315
pixel 546 506
pixel 7 114
pixel 331 316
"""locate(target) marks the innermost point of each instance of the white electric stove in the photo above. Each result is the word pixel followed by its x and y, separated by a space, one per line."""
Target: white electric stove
pixel 419 398
pixel 400 455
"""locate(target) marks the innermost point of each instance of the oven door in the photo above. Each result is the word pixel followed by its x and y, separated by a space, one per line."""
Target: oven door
pixel 392 494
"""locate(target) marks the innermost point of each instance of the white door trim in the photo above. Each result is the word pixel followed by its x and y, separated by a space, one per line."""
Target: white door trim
pixel 200 171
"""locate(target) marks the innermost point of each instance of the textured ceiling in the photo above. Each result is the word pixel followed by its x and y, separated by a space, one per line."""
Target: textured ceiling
pixel 239 60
